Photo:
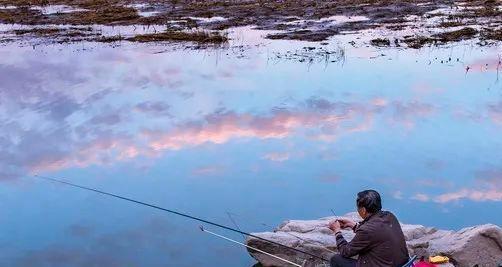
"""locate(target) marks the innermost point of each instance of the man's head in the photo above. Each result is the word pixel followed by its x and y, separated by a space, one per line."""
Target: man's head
pixel 368 202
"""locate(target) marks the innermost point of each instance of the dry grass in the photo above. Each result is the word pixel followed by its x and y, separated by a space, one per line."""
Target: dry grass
pixel 417 42
pixel 445 37
pixel 98 12
pixel 449 24
pixel 304 35
pixel 20 15
pixel 108 39
pixel 380 42
pixel 91 4
pixel 197 36
pixel 455 36
pixel 58 34
pixel 492 34
pixel 105 15
pixel 266 15
pixel 38 31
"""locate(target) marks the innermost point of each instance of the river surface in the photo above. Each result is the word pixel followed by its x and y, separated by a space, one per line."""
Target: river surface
pixel 249 130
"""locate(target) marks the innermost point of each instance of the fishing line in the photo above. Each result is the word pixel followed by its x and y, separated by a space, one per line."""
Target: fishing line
pixel 179 214
pixel 253 248
pixel 235 223
pixel 333 211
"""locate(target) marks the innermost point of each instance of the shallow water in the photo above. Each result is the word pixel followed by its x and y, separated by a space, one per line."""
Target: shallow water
pixel 241 130
pixel 57 9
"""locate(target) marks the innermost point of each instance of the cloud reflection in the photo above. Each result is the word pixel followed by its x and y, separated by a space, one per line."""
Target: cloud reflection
pixel 486 64
pixel 470 194
pixel 100 140
pixel 319 119
pixel 421 197
pixel 276 156
pixel 209 170
pixel 488 187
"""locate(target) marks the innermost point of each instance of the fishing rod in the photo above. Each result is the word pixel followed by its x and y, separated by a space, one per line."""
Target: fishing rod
pixel 179 214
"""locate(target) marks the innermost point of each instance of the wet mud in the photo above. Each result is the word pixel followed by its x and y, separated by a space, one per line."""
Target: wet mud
pixel 416 23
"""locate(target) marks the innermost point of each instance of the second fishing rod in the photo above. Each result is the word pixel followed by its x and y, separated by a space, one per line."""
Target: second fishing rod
pixel 179 214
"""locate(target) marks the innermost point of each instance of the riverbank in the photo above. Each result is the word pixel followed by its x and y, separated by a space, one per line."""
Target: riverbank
pixel 479 245
pixel 412 24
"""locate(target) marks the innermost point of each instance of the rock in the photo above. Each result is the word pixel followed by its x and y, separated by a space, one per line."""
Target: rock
pixel 479 245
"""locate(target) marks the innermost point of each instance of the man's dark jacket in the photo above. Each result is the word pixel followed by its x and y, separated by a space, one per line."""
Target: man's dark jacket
pixel 379 242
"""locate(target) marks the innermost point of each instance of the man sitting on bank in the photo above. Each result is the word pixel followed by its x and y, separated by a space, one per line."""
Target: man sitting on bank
pixel 379 239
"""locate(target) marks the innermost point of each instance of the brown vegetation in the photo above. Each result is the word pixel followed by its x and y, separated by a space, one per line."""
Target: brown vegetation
pixel 492 34
pixel 454 36
pixel 267 15
pixel 308 35
pixel 57 34
pixel 380 42
pixel 445 37
pixel 193 36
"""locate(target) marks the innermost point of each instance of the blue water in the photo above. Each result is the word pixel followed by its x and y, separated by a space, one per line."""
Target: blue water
pixel 223 130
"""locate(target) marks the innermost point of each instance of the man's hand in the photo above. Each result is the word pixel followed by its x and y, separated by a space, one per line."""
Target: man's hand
pixel 334 226
pixel 346 223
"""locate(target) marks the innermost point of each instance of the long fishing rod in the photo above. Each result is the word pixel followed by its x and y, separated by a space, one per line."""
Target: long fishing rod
pixel 180 214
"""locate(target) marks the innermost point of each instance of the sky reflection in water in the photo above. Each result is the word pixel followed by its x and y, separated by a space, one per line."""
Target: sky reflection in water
pixel 209 133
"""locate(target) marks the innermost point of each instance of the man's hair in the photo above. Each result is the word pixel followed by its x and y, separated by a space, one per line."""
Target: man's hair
pixel 369 199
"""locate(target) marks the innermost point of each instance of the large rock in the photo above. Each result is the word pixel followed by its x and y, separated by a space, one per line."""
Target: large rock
pixel 479 245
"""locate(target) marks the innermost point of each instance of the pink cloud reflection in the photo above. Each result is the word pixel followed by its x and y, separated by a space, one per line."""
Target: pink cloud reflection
pixel 275 156
pixel 471 194
pixel 102 151
pixel 488 187
pixel 221 127
pixel 486 64
pixel 208 170
pixel 317 119
pixel 421 197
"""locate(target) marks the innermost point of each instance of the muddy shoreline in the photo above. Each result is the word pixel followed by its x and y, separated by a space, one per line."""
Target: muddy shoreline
pixel 412 24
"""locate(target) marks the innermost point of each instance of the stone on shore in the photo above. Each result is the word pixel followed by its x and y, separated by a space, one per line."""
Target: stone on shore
pixel 478 245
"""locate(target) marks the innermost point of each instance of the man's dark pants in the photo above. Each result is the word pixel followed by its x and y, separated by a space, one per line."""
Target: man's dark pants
pixel 339 261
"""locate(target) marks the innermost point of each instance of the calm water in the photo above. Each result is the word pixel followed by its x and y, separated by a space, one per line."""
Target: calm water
pixel 214 131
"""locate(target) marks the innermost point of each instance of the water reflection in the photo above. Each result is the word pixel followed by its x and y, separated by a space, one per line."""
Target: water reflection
pixel 209 132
